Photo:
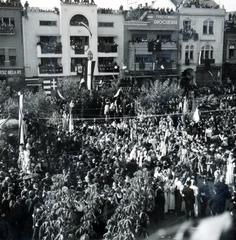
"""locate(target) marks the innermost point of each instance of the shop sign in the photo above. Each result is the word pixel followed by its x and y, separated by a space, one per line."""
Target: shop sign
pixel 165 20
pixel 11 72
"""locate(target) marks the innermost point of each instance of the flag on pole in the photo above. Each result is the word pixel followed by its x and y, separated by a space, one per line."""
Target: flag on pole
pixel 118 93
pixel 196 117
pixel 21 159
pixel 21 119
pixel 71 123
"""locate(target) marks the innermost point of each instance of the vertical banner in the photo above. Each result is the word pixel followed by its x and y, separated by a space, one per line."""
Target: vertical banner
pixel 21 120
pixel 89 75
pixel 71 123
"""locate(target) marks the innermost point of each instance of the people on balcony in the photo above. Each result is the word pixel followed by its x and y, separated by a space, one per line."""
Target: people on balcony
pixel 50 47
pixel 7 28
pixel 108 66
pixel 50 68
pixel 105 46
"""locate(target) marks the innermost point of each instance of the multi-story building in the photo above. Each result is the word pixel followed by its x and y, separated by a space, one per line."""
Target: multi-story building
pixel 201 39
pixel 229 67
pixel 11 44
pixel 59 43
pixel 151 43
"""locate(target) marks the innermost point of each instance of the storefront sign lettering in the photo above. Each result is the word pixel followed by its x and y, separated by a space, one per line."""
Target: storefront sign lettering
pixel 10 72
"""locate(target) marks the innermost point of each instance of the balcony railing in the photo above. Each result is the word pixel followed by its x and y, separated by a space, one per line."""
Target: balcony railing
pixel 47 48
pixel 107 48
pixel 189 34
pixel 51 48
pixel 50 69
pixel 208 61
pixel 6 29
pixel 112 68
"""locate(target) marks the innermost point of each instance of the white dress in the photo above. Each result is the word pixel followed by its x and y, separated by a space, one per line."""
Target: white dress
pixel 230 171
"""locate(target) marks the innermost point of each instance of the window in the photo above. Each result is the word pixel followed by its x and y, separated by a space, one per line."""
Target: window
pixel 186 24
pixel 12 57
pixel 189 54
pixel 47 23
pixel 2 56
pixel 208 27
pixel 139 37
pixel 105 24
pixel 207 52
pixel 6 21
pixel 78 19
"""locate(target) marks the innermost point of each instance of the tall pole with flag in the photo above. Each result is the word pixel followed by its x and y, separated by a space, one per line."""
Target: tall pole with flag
pixel 21 120
pixel 21 132
pixel 71 124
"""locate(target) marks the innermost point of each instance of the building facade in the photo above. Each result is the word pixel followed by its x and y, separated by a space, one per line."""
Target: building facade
pixel 201 40
pixel 11 44
pixel 62 42
pixel 151 45
pixel 229 67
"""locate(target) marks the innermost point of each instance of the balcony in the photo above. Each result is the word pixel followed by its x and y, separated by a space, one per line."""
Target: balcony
pixel 49 49
pixel 188 34
pixel 168 46
pixel 107 48
pixel 108 68
pixel 7 29
pixel 207 61
pixel 50 69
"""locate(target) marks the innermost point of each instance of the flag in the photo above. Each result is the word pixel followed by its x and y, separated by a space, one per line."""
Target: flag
pixel 21 158
pixel 196 117
pixel 185 105
pixel 21 119
pixel 117 93
pixel 49 85
pixel 71 123
pixel 200 57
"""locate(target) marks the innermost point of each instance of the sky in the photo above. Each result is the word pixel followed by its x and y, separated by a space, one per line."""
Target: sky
pixel 230 5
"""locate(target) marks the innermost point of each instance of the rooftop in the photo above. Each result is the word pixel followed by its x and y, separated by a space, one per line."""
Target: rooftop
pixel 10 4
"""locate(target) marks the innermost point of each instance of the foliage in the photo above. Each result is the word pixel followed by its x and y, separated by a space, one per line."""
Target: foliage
pixel 69 88
pixel 35 104
pixel 131 219
pixel 56 218
pixel 158 96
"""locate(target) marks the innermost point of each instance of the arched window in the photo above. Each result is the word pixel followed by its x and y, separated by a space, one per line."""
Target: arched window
pixel 208 27
pixel 78 19
pixel 207 52
pixel 189 54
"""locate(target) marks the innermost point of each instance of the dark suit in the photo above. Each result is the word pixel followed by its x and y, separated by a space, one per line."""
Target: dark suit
pixel 189 201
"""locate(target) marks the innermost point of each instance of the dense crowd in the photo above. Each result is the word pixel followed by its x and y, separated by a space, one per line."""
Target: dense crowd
pixel 192 166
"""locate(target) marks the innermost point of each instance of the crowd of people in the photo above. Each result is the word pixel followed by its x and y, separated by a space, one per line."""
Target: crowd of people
pixel 10 3
pixel 200 4
pixel 192 166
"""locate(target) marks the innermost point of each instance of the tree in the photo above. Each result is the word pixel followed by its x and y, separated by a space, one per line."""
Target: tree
pixel 158 97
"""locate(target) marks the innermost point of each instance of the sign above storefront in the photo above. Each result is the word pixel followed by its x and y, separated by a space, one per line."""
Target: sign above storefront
pixel 11 72
pixel 165 20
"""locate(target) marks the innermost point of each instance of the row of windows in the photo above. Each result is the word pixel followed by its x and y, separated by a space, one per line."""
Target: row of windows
pixel 207 52
pixel 75 22
pixel 208 26
pixel 11 56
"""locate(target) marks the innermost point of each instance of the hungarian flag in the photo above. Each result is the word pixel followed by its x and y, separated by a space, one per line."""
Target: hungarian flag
pixel 49 86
